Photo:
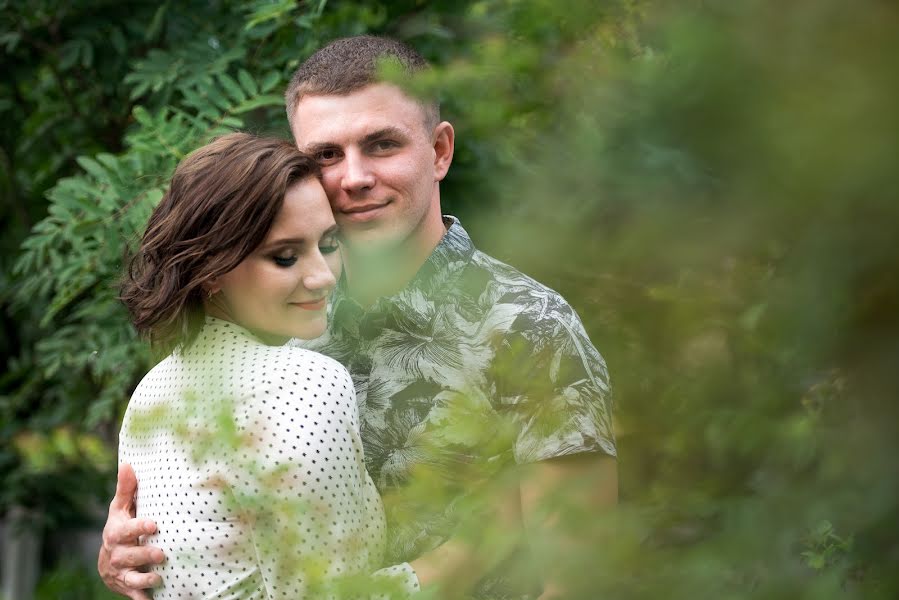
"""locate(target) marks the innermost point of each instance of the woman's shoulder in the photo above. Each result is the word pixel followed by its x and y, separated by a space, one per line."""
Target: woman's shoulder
pixel 303 368
pixel 291 356
pixel 224 342
pixel 160 371
pixel 286 378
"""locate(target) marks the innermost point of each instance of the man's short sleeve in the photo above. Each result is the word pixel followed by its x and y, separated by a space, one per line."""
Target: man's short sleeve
pixel 553 384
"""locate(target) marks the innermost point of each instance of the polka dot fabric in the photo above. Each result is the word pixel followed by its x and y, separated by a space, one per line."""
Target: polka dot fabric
pixel 249 460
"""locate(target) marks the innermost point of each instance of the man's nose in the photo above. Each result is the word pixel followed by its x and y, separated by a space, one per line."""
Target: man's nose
pixel 357 174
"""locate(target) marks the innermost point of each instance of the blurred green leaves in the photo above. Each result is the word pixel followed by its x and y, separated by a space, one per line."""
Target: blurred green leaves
pixel 717 208
pixel 62 450
pixel 711 184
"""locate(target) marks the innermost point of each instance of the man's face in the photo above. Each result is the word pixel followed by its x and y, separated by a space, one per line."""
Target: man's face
pixel 380 164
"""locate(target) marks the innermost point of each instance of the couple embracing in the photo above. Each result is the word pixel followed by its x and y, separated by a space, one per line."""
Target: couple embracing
pixel 321 314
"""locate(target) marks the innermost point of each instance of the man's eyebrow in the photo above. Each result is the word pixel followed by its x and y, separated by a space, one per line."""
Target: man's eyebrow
pixel 332 230
pixel 316 148
pixel 371 137
pixel 384 132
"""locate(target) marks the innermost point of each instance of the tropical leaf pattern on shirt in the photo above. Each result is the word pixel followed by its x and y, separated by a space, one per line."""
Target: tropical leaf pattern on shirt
pixel 471 358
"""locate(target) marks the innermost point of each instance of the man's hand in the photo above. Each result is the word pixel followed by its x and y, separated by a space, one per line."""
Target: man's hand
pixel 121 556
pixel 583 484
pixel 453 569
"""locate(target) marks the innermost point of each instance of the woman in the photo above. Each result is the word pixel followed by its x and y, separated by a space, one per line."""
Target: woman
pixel 247 450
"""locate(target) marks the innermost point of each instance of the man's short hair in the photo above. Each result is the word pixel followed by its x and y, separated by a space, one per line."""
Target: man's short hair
pixel 349 64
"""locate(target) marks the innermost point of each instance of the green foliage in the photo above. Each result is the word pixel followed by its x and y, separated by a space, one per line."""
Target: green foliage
pixel 72 357
pixel 711 184
pixel 72 582
pixel 721 213
pixel 825 546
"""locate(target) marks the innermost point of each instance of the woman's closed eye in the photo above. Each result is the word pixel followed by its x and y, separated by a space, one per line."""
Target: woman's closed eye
pixel 285 260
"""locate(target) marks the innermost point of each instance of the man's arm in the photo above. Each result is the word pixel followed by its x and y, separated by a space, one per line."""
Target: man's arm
pixel 121 556
pixel 455 567
pixel 584 484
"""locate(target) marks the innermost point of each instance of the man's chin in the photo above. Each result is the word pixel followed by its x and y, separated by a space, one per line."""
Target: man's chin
pixel 369 240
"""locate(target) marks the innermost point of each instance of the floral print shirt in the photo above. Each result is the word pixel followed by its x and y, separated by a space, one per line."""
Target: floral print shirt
pixel 470 362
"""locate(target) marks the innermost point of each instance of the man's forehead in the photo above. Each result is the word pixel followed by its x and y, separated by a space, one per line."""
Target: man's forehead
pixel 321 118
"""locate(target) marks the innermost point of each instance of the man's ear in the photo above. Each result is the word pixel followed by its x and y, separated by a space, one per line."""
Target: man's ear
pixel 444 144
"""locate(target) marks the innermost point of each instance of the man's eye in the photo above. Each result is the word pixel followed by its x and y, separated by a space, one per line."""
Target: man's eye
pixel 384 146
pixel 326 156
pixel 329 246
pixel 285 261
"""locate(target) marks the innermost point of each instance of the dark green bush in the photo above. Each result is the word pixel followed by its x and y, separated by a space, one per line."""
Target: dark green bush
pixel 711 184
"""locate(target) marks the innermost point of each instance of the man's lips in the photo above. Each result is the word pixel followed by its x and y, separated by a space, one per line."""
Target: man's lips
pixel 361 212
pixel 312 304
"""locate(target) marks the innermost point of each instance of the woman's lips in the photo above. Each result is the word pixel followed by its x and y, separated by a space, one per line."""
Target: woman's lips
pixel 313 305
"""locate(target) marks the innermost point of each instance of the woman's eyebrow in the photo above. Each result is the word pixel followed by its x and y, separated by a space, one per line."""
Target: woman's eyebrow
pixel 299 241
pixel 284 242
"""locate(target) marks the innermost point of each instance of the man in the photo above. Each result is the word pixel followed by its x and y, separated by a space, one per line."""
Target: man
pixel 429 328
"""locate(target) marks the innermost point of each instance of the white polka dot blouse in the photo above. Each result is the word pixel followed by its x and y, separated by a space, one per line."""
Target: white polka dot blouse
pixel 248 458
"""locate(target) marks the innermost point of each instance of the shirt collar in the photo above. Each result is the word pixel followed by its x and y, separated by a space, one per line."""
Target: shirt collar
pixel 214 329
pixel 453 252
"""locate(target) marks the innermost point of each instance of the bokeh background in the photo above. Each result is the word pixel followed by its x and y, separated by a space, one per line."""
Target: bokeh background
pixel 712 184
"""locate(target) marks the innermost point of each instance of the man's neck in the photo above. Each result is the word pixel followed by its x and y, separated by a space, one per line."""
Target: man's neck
pixel 373 275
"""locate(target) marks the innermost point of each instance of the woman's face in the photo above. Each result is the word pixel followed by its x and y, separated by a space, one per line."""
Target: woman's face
pixel 280 290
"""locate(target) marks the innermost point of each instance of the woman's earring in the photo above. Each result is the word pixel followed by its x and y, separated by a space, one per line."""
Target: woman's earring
pixel 209 294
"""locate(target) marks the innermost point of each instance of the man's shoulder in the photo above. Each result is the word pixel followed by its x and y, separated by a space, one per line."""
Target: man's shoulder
pixel 511 286
pixel 533 318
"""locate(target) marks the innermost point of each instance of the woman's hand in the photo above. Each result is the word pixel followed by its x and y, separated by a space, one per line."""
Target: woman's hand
pixel 121 555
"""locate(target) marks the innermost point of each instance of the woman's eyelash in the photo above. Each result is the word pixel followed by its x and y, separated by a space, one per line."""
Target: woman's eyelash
pixel 288 261
pixel 285 261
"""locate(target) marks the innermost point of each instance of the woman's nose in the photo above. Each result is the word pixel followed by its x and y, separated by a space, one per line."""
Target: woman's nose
pixel 319 276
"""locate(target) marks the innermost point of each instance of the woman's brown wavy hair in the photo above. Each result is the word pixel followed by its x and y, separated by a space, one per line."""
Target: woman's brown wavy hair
pixel 221 203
